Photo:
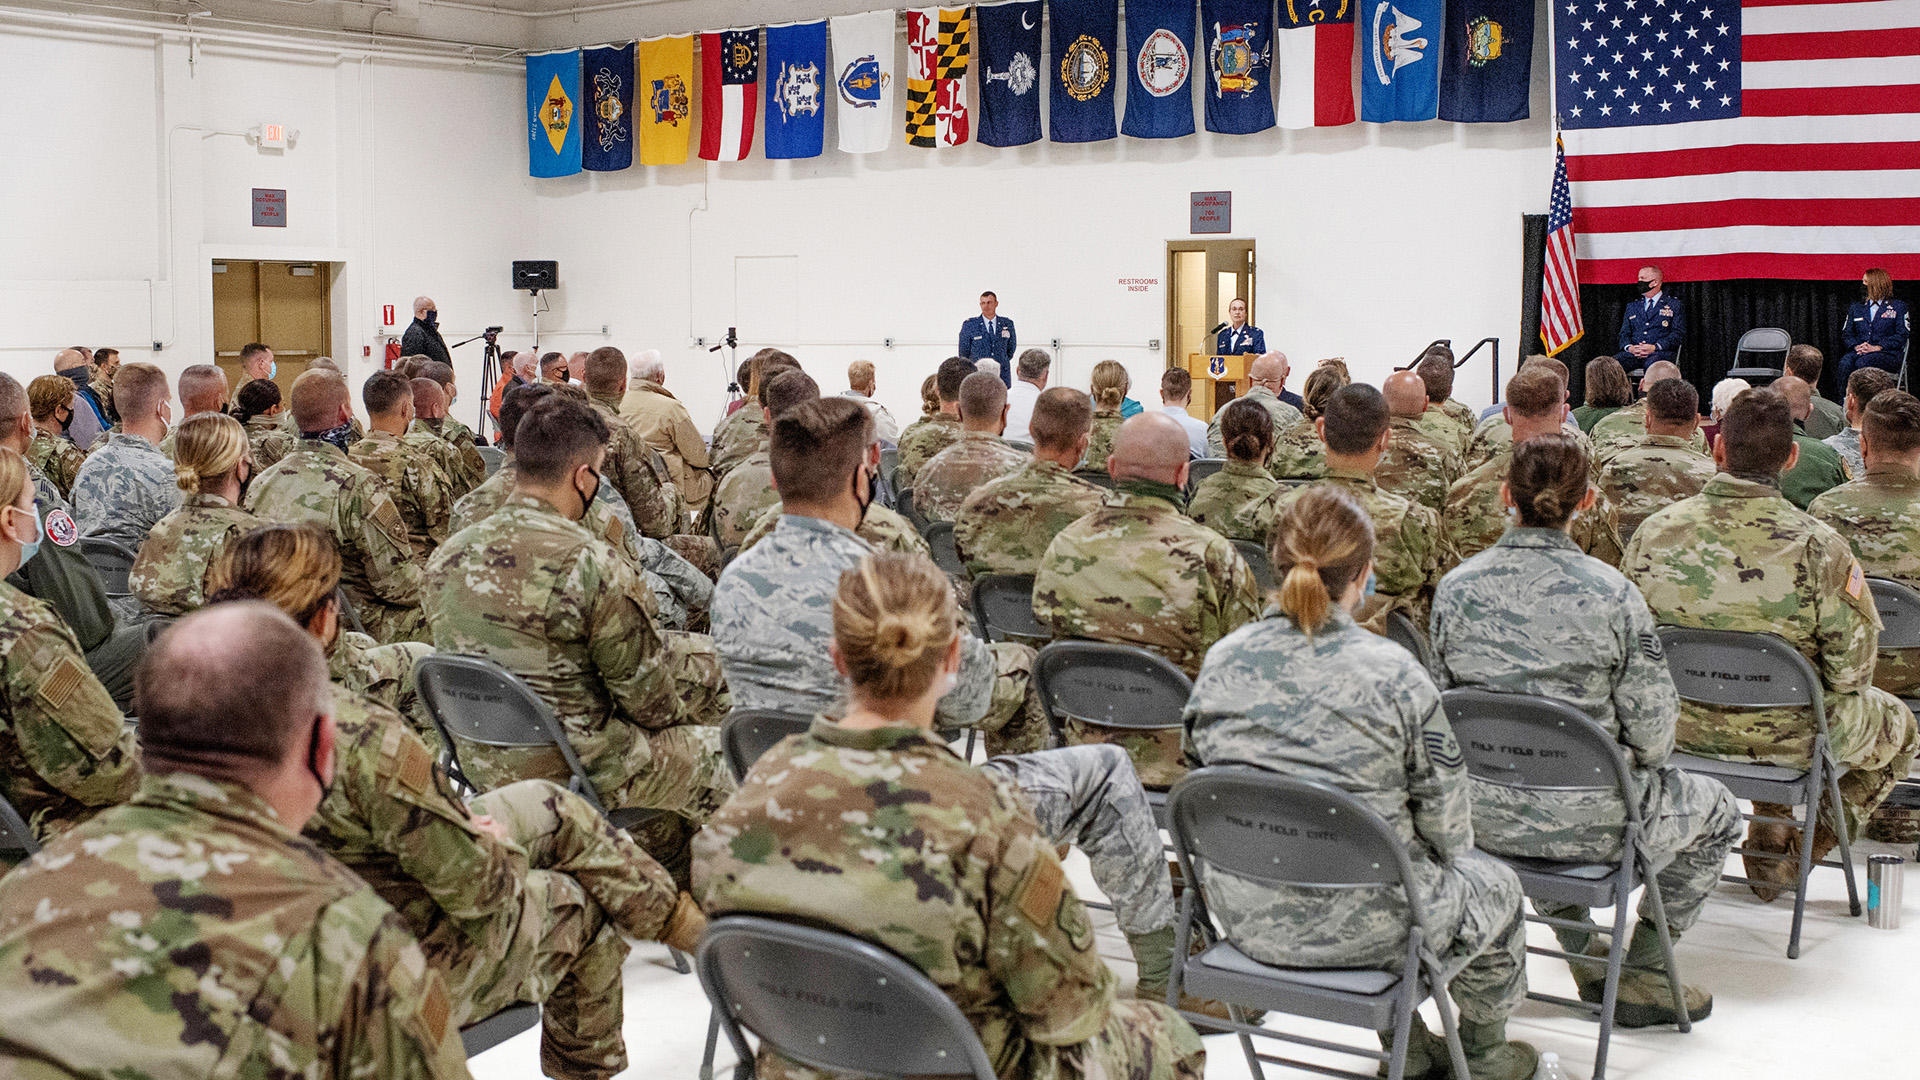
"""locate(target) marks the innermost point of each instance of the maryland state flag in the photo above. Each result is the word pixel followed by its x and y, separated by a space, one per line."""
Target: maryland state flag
pixel 939 47
pixel 665 100
pixel 607 84
pixel 553 113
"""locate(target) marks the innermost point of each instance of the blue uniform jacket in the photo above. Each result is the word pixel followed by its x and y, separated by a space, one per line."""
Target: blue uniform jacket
pixel 1662 327
pixel 1247 339
pixel 977 344
pixel 1887 329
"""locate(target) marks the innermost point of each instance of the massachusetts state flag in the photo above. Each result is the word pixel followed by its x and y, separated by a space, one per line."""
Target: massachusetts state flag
pixel 1488 65
pixel 863 81
pixel 729 70
pixel 553 113
pixel 1313 52
pixel 1160 69
pixel 939 47
pixel 1400 59
pixel 796 109
pixel 1085 34
pixel 607 84
pixel 665 99
pixel 1010 59
pixel 1239 41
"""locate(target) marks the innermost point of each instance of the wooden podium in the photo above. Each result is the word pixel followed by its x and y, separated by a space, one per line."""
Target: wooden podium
pixel 1209 374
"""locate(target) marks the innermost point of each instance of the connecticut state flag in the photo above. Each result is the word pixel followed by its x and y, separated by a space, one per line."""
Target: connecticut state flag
pixel 665 99
pixel 1160 69
pixel 796 102
pixel 1313 51
pixel 1238 35
pixel 607 83
pixel 553 113
pixel 1010 61
pixel 729 74
pixel 1485 74
pixel 1400 59
pixel 1085 35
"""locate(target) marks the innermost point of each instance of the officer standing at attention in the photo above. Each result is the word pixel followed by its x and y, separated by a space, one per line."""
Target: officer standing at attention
pixel 990 336
pixel 1238 337
pixel 1653 325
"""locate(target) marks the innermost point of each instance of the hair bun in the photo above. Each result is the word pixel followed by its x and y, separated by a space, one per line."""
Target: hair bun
pixel 899 639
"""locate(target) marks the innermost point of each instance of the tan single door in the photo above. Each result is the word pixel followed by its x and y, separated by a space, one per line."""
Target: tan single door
pixel 284 306
pixel 1203 277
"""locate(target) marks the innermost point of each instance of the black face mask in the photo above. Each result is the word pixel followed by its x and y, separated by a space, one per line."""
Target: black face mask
pixel 1646 287
pixel 313 761
pixel 433 318
pixel 1863 293
pixel 865 494
pixel 245 482
pixel 586 498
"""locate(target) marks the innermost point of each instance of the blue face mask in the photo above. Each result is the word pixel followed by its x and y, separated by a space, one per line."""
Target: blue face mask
pixel 27 550
pixel 273 368
pixel 1366 590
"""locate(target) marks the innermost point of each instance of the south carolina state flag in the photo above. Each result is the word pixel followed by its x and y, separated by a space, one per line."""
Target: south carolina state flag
pixel 729 72
pixel 1313 51
pixel 1400 60
pixel 553 113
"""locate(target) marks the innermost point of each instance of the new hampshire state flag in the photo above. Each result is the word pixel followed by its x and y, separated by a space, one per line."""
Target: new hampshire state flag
pixel 1400 59
pixel 607 85
pixel 553 113
pixel 1084 37
pixel 795 69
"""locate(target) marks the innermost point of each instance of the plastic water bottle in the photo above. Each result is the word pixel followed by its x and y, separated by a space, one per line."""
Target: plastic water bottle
pixel 1549 1068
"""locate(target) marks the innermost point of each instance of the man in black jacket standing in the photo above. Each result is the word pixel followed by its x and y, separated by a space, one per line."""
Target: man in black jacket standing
pixel 423 336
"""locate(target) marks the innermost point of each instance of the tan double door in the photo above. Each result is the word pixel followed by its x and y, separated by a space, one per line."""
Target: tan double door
pixel 284 306
pixel 1203 277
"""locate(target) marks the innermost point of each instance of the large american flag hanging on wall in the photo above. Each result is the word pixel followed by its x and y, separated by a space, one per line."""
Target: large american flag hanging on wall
pixel 1720 139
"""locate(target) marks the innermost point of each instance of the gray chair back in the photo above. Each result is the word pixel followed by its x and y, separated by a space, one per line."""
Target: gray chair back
pixel 1899 608
pixel 483 1035
pixel 833 1001
pixel 1117 686
pixel 1536 743
pixel 1003 608
pixel 1401 631
pixel 904 505
pixel 889 464
pixel 1744 670
pixel 1257 561
pixel 1266 826
pixel 1097 477
pixel 1025 446
pixel 474 699
pixel 747 733
pixel 1761 353
pixel 1199 469
pixel 349 618
pixel 493 456
pixel 111 560
pixel 946 555
pixel 14 833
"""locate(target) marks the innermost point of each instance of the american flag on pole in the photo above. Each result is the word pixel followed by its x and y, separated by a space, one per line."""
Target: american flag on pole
pixel 1756 139
pixel 1560 324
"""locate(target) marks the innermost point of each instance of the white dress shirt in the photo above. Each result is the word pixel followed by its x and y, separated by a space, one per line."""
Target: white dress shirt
pixel 1196 431
pixel 1020 398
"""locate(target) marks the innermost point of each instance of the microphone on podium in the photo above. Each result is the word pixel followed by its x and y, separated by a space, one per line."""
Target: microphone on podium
pixel 1217 329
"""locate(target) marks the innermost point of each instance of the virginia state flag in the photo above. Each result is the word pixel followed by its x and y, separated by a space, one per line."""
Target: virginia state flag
pixel 796 66
pixel 1085 35
pixel 1313 47
pixel 553 108
pixel 1010 62
pixel 1238 35
pixel 1488 65
pixel 665 99
pixel 1400 60
pixel 1160 69
pixel 606 82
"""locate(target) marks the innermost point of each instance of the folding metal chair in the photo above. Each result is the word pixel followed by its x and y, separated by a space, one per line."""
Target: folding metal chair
pixel 1271 828
pixel 111 560
pixel 832 1001
pixel 483 1035
pixel 493 457
pixel 1899 608
pixel 1536 744
pixel 747 733
pixel 1761 671
pixel 1199 469
pixel 15 836
pixel 1003 609
pixel 890 464
pixel 349 618
pixel 946 555
pixel 1097 477
pixel 1402 632
pixel 906 510
pixel 1258 562
pixel 1112 686
pixel 1756 344
pixel 1025 446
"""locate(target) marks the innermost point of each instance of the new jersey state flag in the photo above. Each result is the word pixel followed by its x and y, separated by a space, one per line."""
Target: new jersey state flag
pixel 1488 65
pixel 1239 40
pixel 665 99
pixel 939 48
pixel 607 84
pixel 796 111
pixel 863 80
pixel 729 74
pixel 1085 35
pixel 553 113
pixel 1313 52
pixel 1400 59
pixel 1010 60
pixel 1160 69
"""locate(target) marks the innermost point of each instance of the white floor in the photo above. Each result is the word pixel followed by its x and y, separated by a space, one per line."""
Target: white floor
pixel 1849 1007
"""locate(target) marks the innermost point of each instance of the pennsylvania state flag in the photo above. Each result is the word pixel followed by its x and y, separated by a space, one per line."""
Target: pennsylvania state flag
pixel 796 69
pixel 1010 76
pixel 1488 64
pixel 607 84
pixel 1400 59
pixel 553 113
pixel 1160 69
pixel 1085 36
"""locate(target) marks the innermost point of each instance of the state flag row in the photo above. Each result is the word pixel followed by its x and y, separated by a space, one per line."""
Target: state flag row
pixel 1258 64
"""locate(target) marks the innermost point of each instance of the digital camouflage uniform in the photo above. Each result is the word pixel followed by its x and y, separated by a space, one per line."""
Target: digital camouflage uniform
pixel 57 459
pixel 1819 470
pixel 1417 465
pixel 887 836
pixel 1406 544
pixel 542 597
pixel 1351 709
pixel 1533 615
pixel 944 483
pixel 1443 427
pixel 1299 453
pixel 1100 440
pixel 317 483
pixel 458 458
pixel 1879 515
pixel 1660 471
pixel 65 751
pixel 60 575
pixel 1137 572
pixel 1846 443
pixel 409 466
pixel 1004 527
pixel 921 441
pixel 123 489
pixel 1225 501
pixel 741 498
pixel 1738 556
pixel 1284 417
pixel 1474 518
pixel 629 468
pixel 170 574
pixel 535 919
pixel 885 529
pixel 268 440
pixel 190 933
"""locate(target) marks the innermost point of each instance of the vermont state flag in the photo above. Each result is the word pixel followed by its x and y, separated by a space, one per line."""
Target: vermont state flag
pixel 1010 76
pixel 607 85
pixel 665 99
pixel 1086 34
pixel 796 73
pixel 1238 35
pixel 1400 59
pixel 1160 69
pixel 1488 64
pixel 553 113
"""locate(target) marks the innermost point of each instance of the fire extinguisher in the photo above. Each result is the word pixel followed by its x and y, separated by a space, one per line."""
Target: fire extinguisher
pixel 393 352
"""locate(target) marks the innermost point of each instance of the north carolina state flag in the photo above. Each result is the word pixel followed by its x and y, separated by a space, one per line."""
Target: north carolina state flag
pixel 1313 52
pixel 729 74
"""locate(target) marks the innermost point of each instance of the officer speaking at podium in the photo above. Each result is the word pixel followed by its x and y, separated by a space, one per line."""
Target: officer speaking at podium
pixel 1237 337
pixel 990 336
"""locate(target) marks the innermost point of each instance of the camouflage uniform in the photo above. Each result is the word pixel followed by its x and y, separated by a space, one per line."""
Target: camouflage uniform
pixel 541 596
pixel 1819 470
pixel 1417 466
pixel 170 574
pixel 57 459
pixel 741 498
pixel 629 468
pixel 922 440
pixel 409 466
pixel 537 919
pixel 1100 440
pixel 1350 709
pixel 268 440
pixel 1284 417
pixel 1626 425
pixel 885 835
pixel 1445 428
pixel 1474 518
pixel 64 749
pixel 383 674
pixel 1005 526
pixel 464 466
pixel 735 438
pixel 1299 454
pixel 1137 572
pixel 1495 437
pixel 1846 443
pixel 1738 556
pixel 885 529
pixel 1532 615
pixel 944 483
pixel 1879 515
pixel 1622 438
pixel 1457 411
pixel 123 490
pixel 1660 471
pixel 190 933
pixel 1225 501
pixel 1406 544
pixel 317 483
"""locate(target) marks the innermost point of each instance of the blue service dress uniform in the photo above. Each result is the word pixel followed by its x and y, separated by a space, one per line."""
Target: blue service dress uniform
pixel 1885 324
pixel 1247 339
pixel 1659 321
pixel 978 341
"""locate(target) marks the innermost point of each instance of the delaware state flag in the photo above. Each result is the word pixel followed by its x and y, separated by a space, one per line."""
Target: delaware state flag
pixel 553 113
pixel 729 74
pixel 1400 60
pixel 1313 50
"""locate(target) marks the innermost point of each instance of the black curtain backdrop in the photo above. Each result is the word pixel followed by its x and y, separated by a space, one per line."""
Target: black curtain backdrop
pixel 1718 312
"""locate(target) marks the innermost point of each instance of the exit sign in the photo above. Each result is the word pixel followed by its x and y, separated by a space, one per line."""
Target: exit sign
pixel 273 136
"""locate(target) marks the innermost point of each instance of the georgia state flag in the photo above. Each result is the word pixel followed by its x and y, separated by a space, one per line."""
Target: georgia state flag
pixel 1400 60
